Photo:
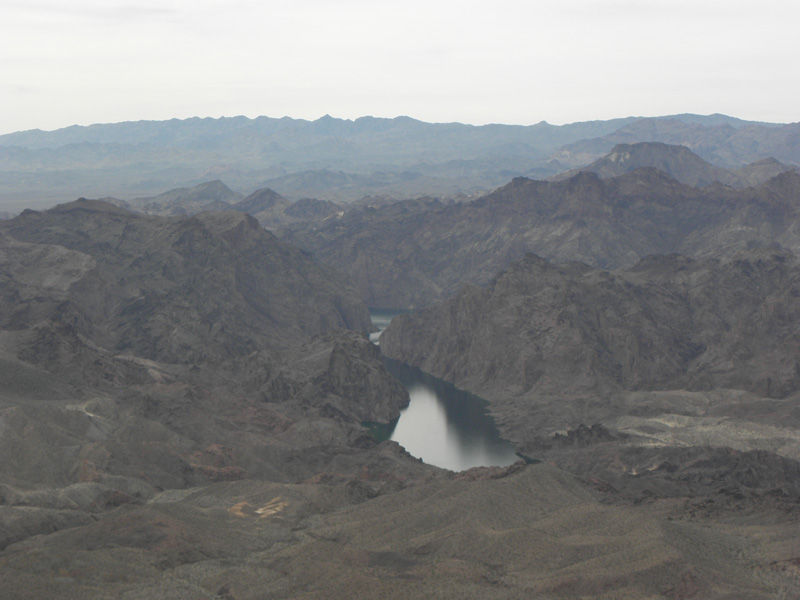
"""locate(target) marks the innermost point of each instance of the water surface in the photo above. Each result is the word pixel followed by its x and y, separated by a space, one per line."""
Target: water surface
pixel 442 425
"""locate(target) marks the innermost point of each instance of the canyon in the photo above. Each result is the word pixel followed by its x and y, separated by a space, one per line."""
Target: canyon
pixel 185 379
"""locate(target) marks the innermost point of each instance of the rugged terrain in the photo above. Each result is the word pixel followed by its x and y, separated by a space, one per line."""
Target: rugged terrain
pixel 270 209
pixel 181 401
pixel 686 368
pixel 410 253
pixel 141 354
pixel 541 331
pixel 211 195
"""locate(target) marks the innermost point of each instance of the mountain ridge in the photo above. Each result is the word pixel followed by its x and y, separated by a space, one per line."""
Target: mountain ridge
pixel 411 253
pixel 136 159
pixel 680 163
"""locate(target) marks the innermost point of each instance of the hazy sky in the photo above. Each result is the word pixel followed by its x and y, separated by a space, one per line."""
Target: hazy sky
pixel 507 61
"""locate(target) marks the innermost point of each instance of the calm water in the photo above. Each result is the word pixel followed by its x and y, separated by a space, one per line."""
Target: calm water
pixel 442 425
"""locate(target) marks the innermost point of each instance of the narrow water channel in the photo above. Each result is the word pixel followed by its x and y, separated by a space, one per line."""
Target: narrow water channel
pixel 442 425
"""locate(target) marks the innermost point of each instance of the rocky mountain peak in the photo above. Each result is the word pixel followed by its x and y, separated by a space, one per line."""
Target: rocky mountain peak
pixel 83 204
pixel 261 200
pixel 678 162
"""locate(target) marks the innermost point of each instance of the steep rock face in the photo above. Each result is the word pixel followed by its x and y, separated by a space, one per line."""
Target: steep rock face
pixel 185 291
pixel 411 253
pixel 583 335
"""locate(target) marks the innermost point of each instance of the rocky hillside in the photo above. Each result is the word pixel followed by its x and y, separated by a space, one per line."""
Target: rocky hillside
pixel 672 383
pixel 571 341
pixel 181 408
pixel 681 164
pixel 270 209
pixel 273 211
pixel 143 355
pixel 140 341
pixel 411 253
pixel 185 290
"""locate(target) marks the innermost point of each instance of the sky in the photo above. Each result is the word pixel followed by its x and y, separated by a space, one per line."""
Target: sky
pixel 507 61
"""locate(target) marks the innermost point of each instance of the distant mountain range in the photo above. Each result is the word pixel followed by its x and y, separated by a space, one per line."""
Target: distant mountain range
pixel 721 141
pixel 343 160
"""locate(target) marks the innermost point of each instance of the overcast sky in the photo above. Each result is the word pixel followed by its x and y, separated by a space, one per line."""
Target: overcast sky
pixel 506 61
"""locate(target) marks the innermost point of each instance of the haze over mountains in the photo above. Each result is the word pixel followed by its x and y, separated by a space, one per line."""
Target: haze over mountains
pixel 186 377
pixel 343 160
pixel 680 163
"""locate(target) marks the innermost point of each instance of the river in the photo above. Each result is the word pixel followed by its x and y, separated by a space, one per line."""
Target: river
pixel 442 425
